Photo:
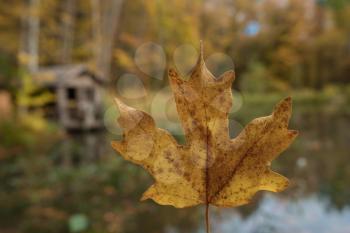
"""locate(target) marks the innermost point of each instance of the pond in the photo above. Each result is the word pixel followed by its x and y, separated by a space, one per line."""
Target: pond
pixel 81 185
pixel 317 200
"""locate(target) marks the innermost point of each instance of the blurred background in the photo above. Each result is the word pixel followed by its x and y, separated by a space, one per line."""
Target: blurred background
pixel 62 61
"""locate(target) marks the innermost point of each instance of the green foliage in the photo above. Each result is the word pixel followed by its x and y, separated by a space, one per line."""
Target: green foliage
pixel 257 79
pixel 44 190
pixel 337 4
pixel 10 136
pixel 7 72
pixel 24 132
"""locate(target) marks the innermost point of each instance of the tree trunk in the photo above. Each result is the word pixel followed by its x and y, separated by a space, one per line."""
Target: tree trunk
pixel 105 16
pixel 68 31
pixel 33 35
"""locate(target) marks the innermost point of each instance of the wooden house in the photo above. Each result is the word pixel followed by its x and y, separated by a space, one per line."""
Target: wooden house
pixel 77 93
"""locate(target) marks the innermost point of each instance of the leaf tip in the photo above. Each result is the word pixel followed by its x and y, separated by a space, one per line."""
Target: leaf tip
pixel 288 99
pixel 284 108
pixel 146 195
pixel 287 102
pixel 121 106
pixel 144 198
pixel 116 145
pixel 200 61
pixel 227 77
pixel 293 133
pixel 201 50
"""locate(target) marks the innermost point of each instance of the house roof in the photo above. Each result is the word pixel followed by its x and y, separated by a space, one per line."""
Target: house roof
pixel 55 75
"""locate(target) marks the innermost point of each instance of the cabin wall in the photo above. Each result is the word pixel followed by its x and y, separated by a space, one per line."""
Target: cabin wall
pixel 81 111
pixel 78 103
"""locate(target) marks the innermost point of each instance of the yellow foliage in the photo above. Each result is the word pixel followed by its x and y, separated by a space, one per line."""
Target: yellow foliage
pixel 34 122
pixel 26 97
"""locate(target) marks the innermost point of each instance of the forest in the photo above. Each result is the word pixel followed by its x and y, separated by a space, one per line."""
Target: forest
pixel 297 44
pixel 56 180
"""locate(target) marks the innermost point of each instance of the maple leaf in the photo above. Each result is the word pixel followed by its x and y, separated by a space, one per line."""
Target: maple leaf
pixel 211 168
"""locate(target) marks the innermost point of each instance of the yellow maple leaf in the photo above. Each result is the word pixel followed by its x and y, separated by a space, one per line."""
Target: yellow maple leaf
pixel 211 168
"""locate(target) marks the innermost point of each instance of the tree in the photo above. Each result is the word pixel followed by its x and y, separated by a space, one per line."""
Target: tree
pixel 105 15
pixel 68 19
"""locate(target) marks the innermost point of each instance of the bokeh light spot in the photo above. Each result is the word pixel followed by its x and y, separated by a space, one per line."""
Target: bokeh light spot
pixel 110 120
pixel 150 58
pixel 185 57
pixel 218 63
pixel 130 86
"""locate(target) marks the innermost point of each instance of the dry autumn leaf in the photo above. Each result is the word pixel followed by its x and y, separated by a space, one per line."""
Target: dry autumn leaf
pixel 211 168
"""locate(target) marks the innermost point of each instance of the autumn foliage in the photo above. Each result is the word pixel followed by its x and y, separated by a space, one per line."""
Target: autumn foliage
pixel 211 168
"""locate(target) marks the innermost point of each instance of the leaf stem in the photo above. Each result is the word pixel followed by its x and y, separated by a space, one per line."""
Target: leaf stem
pixel 207 222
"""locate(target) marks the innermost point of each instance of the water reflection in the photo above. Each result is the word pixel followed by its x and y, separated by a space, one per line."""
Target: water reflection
pixel 317 201
pixel 79 148
pixel 275 215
